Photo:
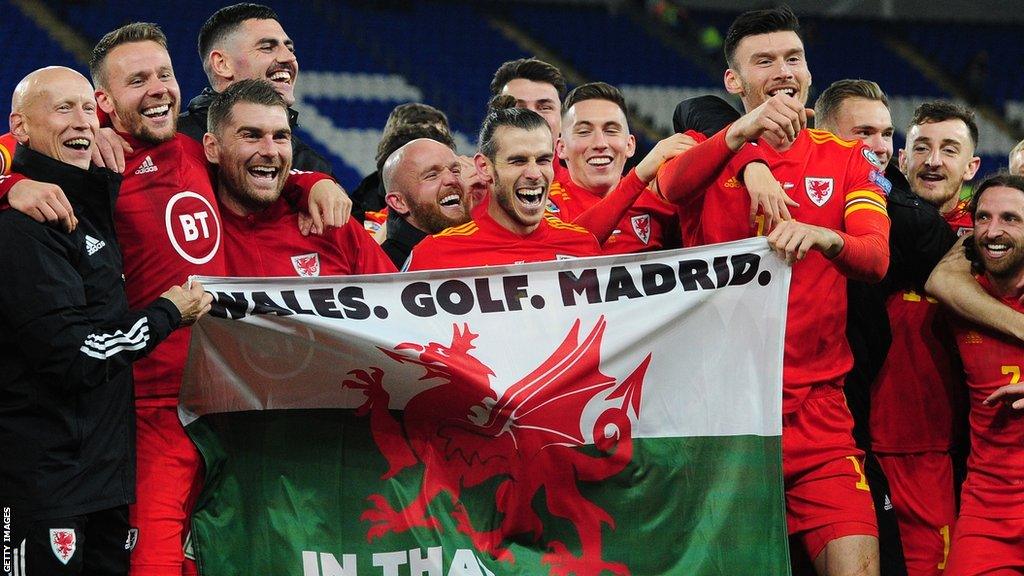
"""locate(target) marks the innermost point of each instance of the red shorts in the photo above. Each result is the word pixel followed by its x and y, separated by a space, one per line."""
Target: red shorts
pixel 827 495
pixel 921 486
pixel 989 546
pixel 168 480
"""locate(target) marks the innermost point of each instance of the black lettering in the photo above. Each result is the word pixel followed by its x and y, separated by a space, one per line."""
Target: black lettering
pixel 233 305
pixel 293 303
pixel 693 275
pixel 515 291
pixel 570 285
pixel 620 284
pixel 417 300
pixel 744 267
pixel 351 299
pixel 483 294
pixel 721 267
pixel 455 297
pixel 657 278
pixel 263 304
pixel 324 303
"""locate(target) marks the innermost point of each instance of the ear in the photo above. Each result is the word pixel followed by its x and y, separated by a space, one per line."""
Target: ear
pixel 483 166
pixel 560 148
pixel 396 203
pixel 105 102
pixel 972 168
pixel 18 128
pixel 212 148
pixel 630 146
pixel 903 161
pixel 733 82
pixel 220 65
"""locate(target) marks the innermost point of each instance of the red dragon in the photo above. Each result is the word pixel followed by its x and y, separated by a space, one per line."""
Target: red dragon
pixel 464 434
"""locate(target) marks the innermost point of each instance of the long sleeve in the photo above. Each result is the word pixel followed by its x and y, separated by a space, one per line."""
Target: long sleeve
pixel 55 328
pixel 865 253
pixel 602 218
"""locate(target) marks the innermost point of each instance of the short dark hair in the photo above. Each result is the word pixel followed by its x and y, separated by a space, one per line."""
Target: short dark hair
pixel 755 22
pixel 403 134
pixel 528 69
pixel 595 91
pixel 942 110
pixel 521 118
pixel 415 113
pixel 827 106
pixel 1001 179
pixel 249 90
pixel 224 22
pixel 134 32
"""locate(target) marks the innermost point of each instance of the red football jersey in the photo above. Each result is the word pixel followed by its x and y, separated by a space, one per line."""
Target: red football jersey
pixel 169 228
pixel 650 223
pixel 484 242
pixel 917 394
pixel 269 244
pixel 995 468
pixel 837 188
pixel 960 217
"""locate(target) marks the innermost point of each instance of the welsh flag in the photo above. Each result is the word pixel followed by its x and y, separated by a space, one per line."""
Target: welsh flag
pixel 615 415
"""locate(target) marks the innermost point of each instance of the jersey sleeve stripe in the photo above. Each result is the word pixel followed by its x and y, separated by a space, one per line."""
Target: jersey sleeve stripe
pixel 864 205
pixel 463 230
pixel 865 195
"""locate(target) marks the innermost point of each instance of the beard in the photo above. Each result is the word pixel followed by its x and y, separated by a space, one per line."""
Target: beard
pixel 135 124
pixel 433 219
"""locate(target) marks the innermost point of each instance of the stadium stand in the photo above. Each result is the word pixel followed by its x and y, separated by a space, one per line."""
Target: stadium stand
pixel 359 59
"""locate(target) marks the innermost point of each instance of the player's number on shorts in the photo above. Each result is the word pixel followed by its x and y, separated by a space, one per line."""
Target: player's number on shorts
pixel 759 222
pixel 944 531
pixel 1013 372
pixel 913 296
pixel 862 484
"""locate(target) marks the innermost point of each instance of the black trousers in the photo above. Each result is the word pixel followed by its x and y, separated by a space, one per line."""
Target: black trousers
pixel 94 544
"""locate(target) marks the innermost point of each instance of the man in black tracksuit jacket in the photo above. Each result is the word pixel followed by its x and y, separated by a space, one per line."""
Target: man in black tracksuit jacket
pixel 67 343
pixel 247 41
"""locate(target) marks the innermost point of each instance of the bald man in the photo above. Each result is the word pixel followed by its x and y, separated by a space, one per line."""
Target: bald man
pixel 67 343
pixel 425 193
pixel 1017 159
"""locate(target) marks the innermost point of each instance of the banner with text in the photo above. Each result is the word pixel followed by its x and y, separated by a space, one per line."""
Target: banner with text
pixel 614 415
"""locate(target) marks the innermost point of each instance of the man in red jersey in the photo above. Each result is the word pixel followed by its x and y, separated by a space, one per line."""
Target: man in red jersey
pixel 169 225
pixel 516 153
pixel 595 145
pixel 250 142
pixel 988 533
pixel 839 229
pixel 916 400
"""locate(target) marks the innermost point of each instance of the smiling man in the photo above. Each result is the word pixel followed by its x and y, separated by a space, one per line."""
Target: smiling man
pixel 840 229
pixel 516 153
pixel 247 41
pixel 939 157
pixel 425 193
pixel 595 144
pixel 68 344
pixel 249 140
pixel 987 536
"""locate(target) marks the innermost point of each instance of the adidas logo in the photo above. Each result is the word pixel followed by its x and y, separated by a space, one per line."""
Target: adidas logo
pixel 92 245
pixel 888 503
pixel 147 166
